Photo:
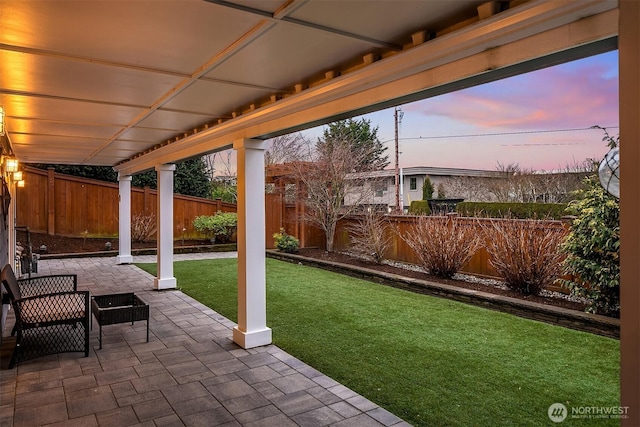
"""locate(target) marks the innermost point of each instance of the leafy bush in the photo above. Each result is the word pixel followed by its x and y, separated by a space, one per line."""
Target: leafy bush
pixel 371 235
pixel 286 242
pixel 142 226
pixel 442 245
pixel 419 207
pixel 593 249
pixel 220 226
pixel 526 253
pixel 512 210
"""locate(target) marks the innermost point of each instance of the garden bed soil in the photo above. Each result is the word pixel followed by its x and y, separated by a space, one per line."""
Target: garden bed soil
pixel 77 245
pixel 358 262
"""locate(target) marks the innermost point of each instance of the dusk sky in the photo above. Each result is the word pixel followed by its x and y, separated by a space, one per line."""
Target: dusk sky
pixel 575 95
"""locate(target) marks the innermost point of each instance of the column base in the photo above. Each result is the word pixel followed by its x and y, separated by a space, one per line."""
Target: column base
pixel 125 259
pixel 167 283
pixel 252 339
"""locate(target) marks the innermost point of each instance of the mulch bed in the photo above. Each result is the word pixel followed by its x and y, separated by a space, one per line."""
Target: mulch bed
pixel 350 260
pixel 75 245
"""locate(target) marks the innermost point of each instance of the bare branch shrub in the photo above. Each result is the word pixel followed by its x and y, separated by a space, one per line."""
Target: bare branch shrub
pixel 142 226
pixel 328 180
pixel 442 244
pixel 371 235
pixel 526 253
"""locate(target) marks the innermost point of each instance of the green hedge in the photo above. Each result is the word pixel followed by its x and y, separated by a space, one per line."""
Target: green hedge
pixel 512 210
pixel 419 207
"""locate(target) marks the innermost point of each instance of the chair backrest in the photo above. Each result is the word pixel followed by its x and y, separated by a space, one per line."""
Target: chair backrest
pixel 11 283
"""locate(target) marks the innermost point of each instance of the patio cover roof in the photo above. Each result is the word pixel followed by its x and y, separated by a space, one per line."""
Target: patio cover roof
pixel 136 84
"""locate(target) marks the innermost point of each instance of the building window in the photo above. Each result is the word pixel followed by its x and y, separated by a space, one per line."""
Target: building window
pixel 413 183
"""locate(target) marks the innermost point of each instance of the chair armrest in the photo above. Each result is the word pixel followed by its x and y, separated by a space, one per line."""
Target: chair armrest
pixel 43 285
pixel 53 308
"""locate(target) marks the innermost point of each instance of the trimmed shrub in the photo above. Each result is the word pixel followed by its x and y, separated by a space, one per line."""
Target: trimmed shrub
pixel 286 242
pixel 512 210
pixel 593 249
pixel 371 236
pixel 526 253
pixel 427 189
pixel 220 226
pixel 419 207
pixel 443 244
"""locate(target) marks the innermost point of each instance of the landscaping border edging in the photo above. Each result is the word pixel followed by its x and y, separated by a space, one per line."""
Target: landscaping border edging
pixel 573 319
pixel 223 247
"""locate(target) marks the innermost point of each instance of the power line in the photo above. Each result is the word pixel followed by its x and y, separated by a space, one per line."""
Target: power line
pixel 527 132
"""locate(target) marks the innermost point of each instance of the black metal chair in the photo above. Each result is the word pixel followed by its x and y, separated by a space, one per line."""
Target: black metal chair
pixel 52 316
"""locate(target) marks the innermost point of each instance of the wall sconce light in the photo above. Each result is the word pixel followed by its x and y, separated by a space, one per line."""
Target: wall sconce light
pixel 20 183
pixel 18 176
pixel 609 172
pixel 11 164
pixel 2 121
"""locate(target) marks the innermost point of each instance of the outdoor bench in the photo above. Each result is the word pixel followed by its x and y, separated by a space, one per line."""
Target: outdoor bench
pixel 52 316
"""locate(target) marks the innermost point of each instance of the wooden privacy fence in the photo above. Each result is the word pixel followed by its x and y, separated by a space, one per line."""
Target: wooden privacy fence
pixel 479 264
pixel 290 219
pixel 66 205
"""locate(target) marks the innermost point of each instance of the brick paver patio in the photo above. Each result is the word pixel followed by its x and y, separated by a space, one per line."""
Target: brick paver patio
pixel 189 373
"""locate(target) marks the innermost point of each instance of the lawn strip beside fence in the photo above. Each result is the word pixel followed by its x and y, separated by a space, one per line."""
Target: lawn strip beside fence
pixel 596 324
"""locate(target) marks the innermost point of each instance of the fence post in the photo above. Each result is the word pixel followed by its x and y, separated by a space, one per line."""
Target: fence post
pixel 218 205
pixel 51 197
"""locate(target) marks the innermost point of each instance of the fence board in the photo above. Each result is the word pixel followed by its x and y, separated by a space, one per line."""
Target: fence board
pixel 78 205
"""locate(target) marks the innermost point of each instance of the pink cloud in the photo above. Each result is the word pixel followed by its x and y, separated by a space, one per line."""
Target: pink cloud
pixel 567 96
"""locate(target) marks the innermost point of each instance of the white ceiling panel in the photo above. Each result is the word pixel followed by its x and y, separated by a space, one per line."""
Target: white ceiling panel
pixel 63 129
pixel 58 77
pixel 42 107
pixel 288 54
pixel 214 99
pixel 392 21
pixel 137 135
pixel 178 121
pixel 168 35
pixel 50 142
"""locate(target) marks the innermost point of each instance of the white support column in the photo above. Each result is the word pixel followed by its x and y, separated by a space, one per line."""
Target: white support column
pixel 124 220
pixel 252 330
pixel 165 279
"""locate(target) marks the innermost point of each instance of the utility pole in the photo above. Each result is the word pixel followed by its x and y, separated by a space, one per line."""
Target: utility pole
pixel 398 119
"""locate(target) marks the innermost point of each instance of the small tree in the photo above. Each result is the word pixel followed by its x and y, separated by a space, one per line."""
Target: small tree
pixel 443 245
pixel 371 235
pixel 427 189
pixel 593 249
pixel 328 179
pixel 441 191
pixel 593 244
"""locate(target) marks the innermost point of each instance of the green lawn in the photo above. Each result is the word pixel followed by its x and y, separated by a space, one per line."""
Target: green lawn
pixel 428 360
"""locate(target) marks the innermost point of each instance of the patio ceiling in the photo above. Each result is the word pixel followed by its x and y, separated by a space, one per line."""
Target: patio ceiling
pixel 135 84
